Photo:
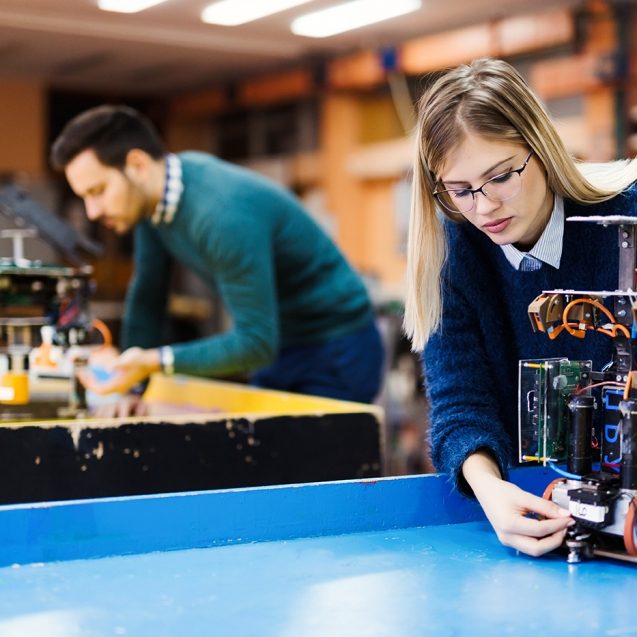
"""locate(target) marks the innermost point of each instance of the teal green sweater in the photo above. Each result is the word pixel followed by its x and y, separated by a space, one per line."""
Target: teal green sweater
pixel 280 277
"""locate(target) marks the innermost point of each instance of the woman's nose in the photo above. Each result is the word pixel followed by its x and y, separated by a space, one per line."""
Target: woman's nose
pixel 483 205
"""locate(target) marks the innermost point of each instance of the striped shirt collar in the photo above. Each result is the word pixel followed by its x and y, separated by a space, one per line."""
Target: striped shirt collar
pixel 166 208
pixel 548 248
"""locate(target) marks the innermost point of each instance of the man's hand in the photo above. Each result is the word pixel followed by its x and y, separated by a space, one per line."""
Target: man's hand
pixel 129 368
pixel 507 507
pixel 128 405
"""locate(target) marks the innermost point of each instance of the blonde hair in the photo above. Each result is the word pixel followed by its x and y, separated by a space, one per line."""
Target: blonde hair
pixel 488 98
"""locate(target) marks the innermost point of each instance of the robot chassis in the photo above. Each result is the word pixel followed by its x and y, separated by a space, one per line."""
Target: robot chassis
pixel 570 413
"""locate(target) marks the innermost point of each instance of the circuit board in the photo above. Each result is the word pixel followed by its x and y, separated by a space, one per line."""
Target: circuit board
pixel 544 389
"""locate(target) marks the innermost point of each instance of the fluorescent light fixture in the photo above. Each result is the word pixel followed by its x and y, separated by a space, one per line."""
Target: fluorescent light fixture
pixel 127 6
pixel 230 13
pixel 349 16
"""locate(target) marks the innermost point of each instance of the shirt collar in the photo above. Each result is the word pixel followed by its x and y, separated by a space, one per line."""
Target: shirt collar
pixel 167 207
pixel 548 248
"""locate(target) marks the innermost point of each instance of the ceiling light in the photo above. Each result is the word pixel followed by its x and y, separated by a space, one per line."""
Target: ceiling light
pixel 127 6
pixel 350 15
pixel 232 12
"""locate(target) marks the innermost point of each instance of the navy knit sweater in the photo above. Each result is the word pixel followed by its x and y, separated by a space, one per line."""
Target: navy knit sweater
pixel 471 362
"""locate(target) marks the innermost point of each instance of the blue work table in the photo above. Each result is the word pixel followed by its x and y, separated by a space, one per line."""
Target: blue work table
pixel 395 557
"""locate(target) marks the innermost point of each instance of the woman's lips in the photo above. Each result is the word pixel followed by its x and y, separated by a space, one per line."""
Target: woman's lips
pixel 497 226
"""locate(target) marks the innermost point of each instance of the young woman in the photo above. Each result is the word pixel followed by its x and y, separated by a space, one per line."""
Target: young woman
pixel 493 185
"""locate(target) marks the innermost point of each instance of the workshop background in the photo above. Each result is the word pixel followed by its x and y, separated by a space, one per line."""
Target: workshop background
pixel 330 118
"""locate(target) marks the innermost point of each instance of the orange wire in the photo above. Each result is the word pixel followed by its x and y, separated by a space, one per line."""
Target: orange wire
pixel 548 492
pixel 613 333
pixel 599 306
pixel 102 328
pixel 629 528
pixel 629 384
pixel 606 382
pixel 549 489
pixel 623 328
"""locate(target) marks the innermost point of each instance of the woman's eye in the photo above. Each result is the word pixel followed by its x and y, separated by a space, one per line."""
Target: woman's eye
pixel 500 179
pixel 459 194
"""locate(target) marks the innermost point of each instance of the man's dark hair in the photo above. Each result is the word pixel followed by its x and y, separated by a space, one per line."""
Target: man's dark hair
pixel 111 132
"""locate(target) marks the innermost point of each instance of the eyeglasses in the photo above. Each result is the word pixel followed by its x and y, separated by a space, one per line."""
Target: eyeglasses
pixel 498 188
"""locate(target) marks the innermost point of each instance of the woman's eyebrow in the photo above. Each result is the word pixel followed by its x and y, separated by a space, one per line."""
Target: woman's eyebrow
pixel 484 174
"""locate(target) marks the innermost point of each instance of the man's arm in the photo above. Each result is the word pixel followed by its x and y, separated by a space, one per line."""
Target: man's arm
pixel 245 275
pixel 143 321
pixel 244 271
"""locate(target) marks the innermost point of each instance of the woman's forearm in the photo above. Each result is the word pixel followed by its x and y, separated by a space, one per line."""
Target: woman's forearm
pixel 479 470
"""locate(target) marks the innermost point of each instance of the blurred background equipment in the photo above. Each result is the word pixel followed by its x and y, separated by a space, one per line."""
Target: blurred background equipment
pixel 16 204
pixel 44 317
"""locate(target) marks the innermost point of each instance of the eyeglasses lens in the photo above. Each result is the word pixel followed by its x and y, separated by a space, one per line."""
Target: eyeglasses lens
pixel 504 187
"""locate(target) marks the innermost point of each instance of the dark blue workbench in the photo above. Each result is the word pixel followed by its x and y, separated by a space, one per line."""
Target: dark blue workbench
pixel 393 557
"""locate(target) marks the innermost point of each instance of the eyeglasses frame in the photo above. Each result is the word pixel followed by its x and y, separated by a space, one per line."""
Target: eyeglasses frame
pixel 475 191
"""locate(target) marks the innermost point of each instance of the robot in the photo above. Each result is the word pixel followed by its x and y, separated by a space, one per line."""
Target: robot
pixel 587 419
pixel 45 323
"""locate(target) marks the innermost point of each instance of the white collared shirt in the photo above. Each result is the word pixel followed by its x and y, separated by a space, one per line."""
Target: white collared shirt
pixel 166 208
pixel 548 248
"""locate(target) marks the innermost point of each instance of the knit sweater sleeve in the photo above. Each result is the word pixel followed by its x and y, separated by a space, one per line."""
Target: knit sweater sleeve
pixel 146 297
pixel 464 414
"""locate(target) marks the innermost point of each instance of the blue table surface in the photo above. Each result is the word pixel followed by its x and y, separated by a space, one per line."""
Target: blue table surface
pixel 394 557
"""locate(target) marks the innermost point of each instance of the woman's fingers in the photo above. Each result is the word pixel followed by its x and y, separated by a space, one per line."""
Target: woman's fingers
pixel 553 519
pixel 542 507
pixel 535 546
pixel 533 528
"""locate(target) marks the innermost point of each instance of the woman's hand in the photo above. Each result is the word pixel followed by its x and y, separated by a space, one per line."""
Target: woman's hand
pixel 507 508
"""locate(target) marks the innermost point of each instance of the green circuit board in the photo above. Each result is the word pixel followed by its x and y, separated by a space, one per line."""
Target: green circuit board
pixel 544 389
